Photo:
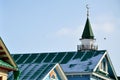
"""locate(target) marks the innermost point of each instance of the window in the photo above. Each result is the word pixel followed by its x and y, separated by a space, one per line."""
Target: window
pixel 103 66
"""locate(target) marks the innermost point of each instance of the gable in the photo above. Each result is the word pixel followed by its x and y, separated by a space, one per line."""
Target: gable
pixel 55 73
pixel 105 67
pixel 5 57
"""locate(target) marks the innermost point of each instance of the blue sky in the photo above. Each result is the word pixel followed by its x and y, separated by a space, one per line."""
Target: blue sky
pixel 34 26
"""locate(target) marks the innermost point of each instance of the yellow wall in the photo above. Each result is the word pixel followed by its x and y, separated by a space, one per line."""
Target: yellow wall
pixel 3 74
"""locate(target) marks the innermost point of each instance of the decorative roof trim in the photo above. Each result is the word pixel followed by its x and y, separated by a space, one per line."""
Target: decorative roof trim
pixel 63 74
pixel 8 69
pixel 106 54
pixel 102 76
pixel 112 66
pixel 99 62
pixel 7 53
pixel 7 66
pixel 61 70
pixel 79 73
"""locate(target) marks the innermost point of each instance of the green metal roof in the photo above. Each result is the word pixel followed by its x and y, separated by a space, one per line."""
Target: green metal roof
pixel 87 33
pixel 6 65
pixel 32 66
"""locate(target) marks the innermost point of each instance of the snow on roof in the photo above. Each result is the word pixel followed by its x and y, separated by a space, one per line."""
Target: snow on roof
pixel 77 65
pixel 32 66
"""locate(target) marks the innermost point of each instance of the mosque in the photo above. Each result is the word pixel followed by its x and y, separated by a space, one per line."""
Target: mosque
pixel 87 63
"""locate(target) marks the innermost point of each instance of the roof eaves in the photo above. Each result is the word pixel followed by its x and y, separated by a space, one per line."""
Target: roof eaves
pixel 6 65
pixel 8 54
pixel 79 73
pixel 112 66
pixel 105 78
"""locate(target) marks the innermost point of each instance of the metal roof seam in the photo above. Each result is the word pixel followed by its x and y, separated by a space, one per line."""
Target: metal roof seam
pixel 63 57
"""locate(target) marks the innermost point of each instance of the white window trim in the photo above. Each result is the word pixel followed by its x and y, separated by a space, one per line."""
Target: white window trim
pixel 106 68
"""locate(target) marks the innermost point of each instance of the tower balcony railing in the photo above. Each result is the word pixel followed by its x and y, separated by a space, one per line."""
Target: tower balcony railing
pixel 87 47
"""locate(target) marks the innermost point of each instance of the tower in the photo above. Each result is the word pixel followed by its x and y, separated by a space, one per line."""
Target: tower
pixel 87 39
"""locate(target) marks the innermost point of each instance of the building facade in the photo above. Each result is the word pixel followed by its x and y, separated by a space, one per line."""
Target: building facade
pixel 87 63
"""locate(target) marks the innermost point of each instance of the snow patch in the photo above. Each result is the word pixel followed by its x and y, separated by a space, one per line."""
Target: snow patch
pixel 77 65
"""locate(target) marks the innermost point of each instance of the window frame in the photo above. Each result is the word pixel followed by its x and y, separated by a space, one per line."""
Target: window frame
pixel 103 67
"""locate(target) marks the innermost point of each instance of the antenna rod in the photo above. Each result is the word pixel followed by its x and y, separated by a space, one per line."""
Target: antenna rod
pixel 87 10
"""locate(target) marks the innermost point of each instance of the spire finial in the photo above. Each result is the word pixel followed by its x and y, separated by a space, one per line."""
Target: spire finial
pixel 87 10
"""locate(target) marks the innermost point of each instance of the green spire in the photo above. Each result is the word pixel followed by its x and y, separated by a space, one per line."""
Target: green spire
pixel 87 33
